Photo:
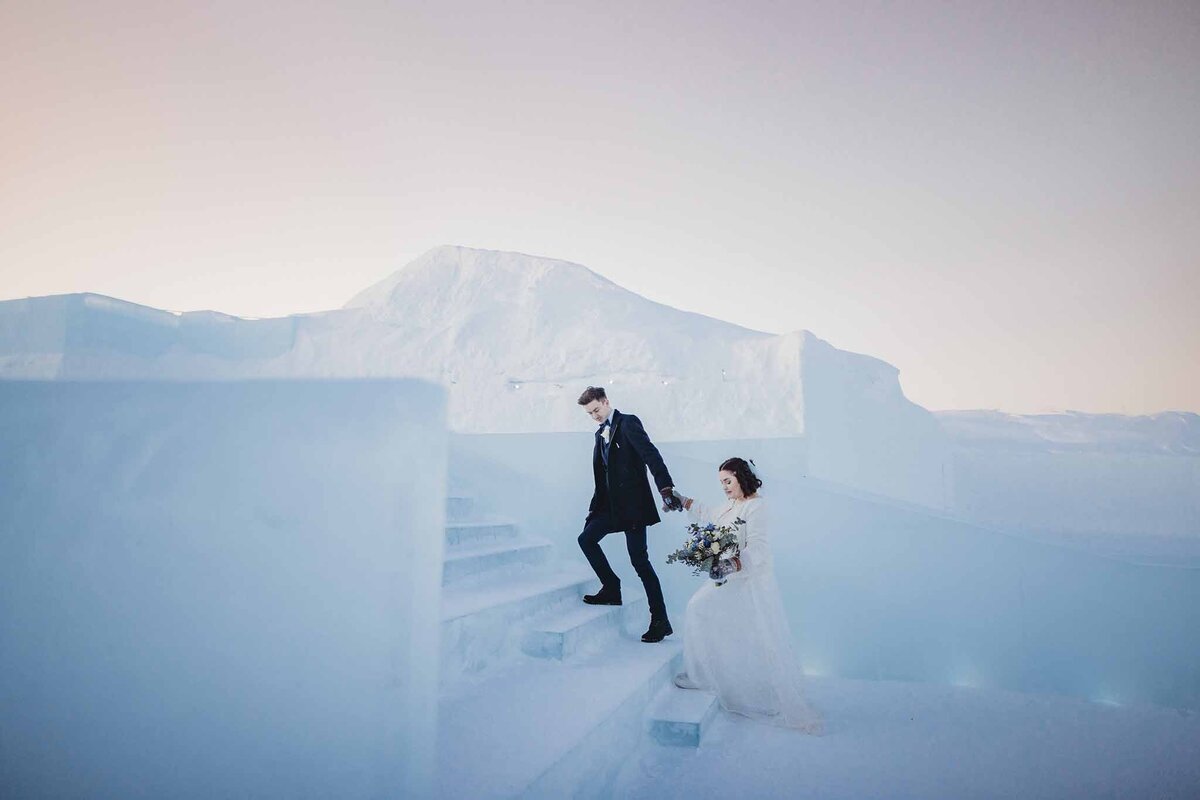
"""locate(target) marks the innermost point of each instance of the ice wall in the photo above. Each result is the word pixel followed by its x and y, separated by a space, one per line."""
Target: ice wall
pixel 1142 504
pixel 224 589
pixel 1121 484
pixel 89 336
pixel 863 432
pixel 886 590
pixel 880 590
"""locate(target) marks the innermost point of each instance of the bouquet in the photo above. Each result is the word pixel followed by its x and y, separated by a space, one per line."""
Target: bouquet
pixel 705 545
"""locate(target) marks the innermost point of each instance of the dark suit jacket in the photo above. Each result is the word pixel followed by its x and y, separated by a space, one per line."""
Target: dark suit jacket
pixel 622 488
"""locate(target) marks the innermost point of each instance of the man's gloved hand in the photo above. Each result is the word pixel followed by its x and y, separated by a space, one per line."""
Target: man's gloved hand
pixel 671 501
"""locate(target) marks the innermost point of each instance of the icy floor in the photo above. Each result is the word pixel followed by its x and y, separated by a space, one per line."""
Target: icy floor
pixel 498 734
pixel 888 739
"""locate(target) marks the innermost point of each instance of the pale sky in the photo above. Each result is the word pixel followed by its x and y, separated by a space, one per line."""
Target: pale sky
pixel 1001 199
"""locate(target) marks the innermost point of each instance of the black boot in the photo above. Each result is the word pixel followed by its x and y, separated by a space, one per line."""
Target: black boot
pixel 660 629
pixel 607 596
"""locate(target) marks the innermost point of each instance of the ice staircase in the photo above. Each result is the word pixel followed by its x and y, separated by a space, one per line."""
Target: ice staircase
pixel 542 695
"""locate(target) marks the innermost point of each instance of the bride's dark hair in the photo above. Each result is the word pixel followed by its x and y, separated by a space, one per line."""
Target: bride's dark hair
pixel 745 476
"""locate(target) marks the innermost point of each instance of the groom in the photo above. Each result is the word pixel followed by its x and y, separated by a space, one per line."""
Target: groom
pixel 623 502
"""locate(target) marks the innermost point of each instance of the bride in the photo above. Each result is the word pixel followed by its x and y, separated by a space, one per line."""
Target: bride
pixel 736 637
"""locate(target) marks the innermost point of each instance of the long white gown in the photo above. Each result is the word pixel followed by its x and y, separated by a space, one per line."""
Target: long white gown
pixel 736 640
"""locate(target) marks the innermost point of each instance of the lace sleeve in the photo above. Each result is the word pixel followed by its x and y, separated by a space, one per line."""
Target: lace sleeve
pixel 754 551
pixel 698 513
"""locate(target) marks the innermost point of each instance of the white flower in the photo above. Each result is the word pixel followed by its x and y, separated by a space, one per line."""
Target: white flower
pixel 716 548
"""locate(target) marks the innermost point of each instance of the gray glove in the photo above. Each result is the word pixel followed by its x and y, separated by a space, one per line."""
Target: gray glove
pixel 723 568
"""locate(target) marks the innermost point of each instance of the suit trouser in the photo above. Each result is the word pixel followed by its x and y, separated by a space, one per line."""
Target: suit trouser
pixel 600 526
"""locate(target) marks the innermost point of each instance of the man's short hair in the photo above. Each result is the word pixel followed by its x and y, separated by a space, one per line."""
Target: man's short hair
pixel 592 393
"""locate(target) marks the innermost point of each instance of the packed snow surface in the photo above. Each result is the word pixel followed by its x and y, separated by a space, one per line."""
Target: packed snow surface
pixel 894 740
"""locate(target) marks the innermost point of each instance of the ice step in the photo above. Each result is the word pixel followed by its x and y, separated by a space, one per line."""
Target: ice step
pixel 568 631
pixel 463 532
pixel 679 716
pixel 483 616
pixel 459 506
pixel 465 560
pixel 545 728
pixel 524 595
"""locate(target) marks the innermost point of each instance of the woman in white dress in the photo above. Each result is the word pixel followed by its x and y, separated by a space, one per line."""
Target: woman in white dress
pixel 736 637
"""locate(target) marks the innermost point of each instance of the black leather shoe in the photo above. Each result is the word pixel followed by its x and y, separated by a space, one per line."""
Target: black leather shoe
pixel 605 597
pixel 659 630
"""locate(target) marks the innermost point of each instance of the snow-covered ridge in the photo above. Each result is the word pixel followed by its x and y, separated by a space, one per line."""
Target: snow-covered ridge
pixel 1168 432
pixel 465 278
pixel 516 338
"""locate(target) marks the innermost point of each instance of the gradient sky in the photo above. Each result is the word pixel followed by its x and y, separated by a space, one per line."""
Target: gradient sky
pixel 1001 199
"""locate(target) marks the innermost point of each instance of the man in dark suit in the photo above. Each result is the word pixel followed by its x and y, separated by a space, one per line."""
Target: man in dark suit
pixel 623 501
